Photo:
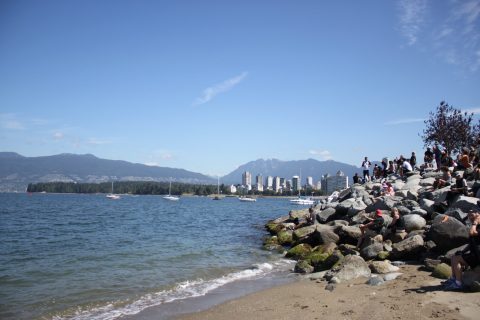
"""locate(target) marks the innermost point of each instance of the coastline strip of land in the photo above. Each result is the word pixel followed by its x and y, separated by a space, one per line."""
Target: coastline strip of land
pixel 413 295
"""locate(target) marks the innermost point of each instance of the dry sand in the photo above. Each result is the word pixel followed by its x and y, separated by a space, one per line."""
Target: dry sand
pixel 414 295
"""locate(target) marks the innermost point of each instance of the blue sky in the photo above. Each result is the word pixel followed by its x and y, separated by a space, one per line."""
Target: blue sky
pixel 210 85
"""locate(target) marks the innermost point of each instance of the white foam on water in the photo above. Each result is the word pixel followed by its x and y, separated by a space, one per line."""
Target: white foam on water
pixel 183 290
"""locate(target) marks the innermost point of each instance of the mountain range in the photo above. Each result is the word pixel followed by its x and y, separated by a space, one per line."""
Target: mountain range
pixel 17 171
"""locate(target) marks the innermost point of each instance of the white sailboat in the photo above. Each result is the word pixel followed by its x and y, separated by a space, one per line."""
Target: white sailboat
pixel 217 197
pixel 170 197
pixel 247 199
pixel 303 201
pixel 113 196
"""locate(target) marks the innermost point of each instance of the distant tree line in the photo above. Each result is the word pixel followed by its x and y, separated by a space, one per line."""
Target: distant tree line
pixel 150 188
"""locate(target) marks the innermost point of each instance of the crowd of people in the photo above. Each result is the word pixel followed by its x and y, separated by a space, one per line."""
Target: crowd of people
pixel 455 174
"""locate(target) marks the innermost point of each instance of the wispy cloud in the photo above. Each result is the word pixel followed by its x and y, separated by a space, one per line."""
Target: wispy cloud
pixel 210 93
pixel 9 121
pixel 96 141
pixel 403 121
pixel 323 154
pixel 58 135
pixel 412 18
pixel 472 110
pixel 457 39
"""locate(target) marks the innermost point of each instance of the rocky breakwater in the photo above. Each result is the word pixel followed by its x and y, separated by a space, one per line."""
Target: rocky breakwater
pixel 327 249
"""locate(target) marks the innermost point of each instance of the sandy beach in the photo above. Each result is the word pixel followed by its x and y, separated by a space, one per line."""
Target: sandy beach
pixel 414 295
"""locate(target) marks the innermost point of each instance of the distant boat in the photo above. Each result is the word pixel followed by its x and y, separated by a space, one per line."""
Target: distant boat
pixel 217 197
pixel 113 196
pixel 170 197
pixel 303 201
pixel 247 199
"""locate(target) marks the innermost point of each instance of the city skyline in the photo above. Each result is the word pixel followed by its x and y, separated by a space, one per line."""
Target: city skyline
pixel 207 86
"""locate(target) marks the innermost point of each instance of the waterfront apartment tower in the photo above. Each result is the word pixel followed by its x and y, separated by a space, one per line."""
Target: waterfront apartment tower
pixel 276 184
pixel 247 179
pixel 296 183
pixel 334 183
pixel 309 182
pixel 259 183
pixel 269 183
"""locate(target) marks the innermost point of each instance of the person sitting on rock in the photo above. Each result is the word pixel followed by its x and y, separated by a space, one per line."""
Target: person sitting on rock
pixel 356 178
pixel 371 229
pixel 312 217
pixel 389 191
pixel 397 227
pixel 469 257
pixel 406 167
pixel 460 187
pixel 464 160
pixel 445 180
pixel 391 167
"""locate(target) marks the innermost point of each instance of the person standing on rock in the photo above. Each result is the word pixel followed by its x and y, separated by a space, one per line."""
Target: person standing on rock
pixel 469 257
pixel 366 169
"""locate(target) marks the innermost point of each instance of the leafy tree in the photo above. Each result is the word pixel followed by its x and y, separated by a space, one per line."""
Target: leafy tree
pixel 450 127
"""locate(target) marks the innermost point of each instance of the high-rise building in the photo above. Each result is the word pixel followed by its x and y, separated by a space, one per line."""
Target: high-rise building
pixel 247 179
pixel 309 182
pixel 296 183
pixel 276 184
pixel 334 183
pixel 259 182
pixel 269 183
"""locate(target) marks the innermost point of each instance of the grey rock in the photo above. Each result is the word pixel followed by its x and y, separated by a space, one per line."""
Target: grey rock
pixel 371 251
pixel 447 233
pixel 351 267
pixel 427 182
pixel 375 281
pixel 326 215
pixel 323 234
pixel 430 264
pixel 382 267
pixel 465 203
pixel 303 266
pixel 414 222
pixel 408 248
pixel 427 205
pixel 330 287
pixel 421 212
pixel 391 276
pixel 457 213
pixel 349 234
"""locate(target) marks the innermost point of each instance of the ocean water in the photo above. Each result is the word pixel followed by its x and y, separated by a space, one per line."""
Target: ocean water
pixel 69 256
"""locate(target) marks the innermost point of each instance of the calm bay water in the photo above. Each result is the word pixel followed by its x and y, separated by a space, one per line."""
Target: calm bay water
pixel 87 257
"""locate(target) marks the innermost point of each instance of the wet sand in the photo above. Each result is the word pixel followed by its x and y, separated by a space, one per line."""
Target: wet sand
pixel 414 295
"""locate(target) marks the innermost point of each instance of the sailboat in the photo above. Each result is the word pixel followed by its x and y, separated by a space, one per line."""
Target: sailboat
pixel 303 201
pixel 112 195
pixel 217 197
pixel 170 197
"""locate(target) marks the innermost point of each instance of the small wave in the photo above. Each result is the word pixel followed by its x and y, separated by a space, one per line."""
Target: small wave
pixel 183 290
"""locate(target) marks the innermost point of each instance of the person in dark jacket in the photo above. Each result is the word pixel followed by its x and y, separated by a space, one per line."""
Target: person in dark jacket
pixel 469 257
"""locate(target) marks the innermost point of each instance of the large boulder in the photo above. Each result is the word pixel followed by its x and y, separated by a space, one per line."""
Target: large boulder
pixel 349 268
pixel 323 234
pixel 414 222
pixel 300 251
pixel 285 237
pixel 302 213
pixel 457 213
pixel 465 204
pixel 440 195
pixel 342 208
pixel 303 266
pixel 382 267
pixel 301 234
pixel 408 248
pixel 349 234
pixel 357 206
pixel 447 233
pixel 326 215
pixel 383 203
pixel 427 205
pixel 427 182
pixel 371 250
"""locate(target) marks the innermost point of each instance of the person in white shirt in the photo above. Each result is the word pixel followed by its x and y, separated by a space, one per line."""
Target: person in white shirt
pixel 366 169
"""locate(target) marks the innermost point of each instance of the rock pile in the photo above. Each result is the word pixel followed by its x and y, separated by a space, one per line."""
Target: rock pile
pixel 434 232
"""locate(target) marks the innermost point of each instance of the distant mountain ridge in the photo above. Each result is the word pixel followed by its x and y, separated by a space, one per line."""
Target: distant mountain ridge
pixel 17 171
pixel 287 169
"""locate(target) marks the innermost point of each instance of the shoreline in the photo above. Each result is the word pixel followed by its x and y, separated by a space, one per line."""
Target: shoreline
pixel 413 295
